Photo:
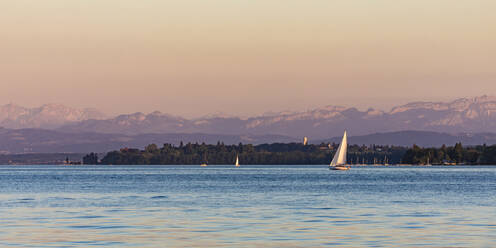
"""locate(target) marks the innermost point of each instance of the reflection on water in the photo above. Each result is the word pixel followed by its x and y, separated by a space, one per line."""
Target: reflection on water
pixel 248 207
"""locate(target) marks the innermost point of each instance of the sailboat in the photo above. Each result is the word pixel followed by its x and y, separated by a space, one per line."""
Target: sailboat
pixel 339 160
pixel 237 161
pixel 205 161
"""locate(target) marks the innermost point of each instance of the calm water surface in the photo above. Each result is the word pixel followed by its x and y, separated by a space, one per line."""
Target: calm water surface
pixel 251 206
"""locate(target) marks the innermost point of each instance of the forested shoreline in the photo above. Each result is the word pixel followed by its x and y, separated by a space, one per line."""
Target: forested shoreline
pixel 457 154
pixel 267 154
pixel 293 153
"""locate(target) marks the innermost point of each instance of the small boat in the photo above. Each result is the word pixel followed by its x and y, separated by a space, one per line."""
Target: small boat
pixel 339 160
pixel 428 162
pixel 204 165
pixel 237 161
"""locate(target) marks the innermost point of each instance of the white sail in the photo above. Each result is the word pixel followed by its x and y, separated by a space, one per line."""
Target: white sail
pixel 340 156
pixel 237 161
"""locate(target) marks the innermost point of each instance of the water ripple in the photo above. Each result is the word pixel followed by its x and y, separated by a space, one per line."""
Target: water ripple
pixel 182 206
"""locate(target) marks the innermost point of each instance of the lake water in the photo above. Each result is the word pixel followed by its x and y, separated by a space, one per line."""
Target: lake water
pixel 251 206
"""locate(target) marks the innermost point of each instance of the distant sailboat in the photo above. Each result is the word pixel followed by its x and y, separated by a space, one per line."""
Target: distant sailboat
pixel 205 161
pixel 428 162
pixel 339 160
pixel 237 161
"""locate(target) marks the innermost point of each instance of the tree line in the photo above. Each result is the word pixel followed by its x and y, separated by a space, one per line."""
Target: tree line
pixel 265 154
pixel 457 154
pixel 293 153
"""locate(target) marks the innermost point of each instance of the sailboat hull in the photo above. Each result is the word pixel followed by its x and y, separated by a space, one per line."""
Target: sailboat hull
pixel 339 168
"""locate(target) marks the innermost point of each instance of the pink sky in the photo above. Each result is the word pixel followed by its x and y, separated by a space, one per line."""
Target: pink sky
pixel 244 56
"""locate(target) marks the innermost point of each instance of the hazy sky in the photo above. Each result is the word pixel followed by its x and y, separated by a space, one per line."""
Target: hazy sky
pixel 194 57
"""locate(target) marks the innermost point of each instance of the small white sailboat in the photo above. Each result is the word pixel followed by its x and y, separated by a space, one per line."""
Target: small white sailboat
pixel 339 160
pixel 237 161
pixel 428 162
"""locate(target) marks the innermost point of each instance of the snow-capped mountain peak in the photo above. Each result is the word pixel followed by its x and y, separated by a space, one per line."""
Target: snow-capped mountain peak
pixel 46 116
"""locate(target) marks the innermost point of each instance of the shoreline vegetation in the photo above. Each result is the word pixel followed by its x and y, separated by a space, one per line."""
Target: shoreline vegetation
pixel 295 154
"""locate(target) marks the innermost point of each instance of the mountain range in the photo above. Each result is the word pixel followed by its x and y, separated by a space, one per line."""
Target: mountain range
pixel 55 127
pixel 465 115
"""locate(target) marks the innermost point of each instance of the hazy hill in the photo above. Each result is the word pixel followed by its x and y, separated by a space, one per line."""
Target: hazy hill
pixel 50 141
pixel 421 138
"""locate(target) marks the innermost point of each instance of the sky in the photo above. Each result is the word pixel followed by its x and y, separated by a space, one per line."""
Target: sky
pixel 244 57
